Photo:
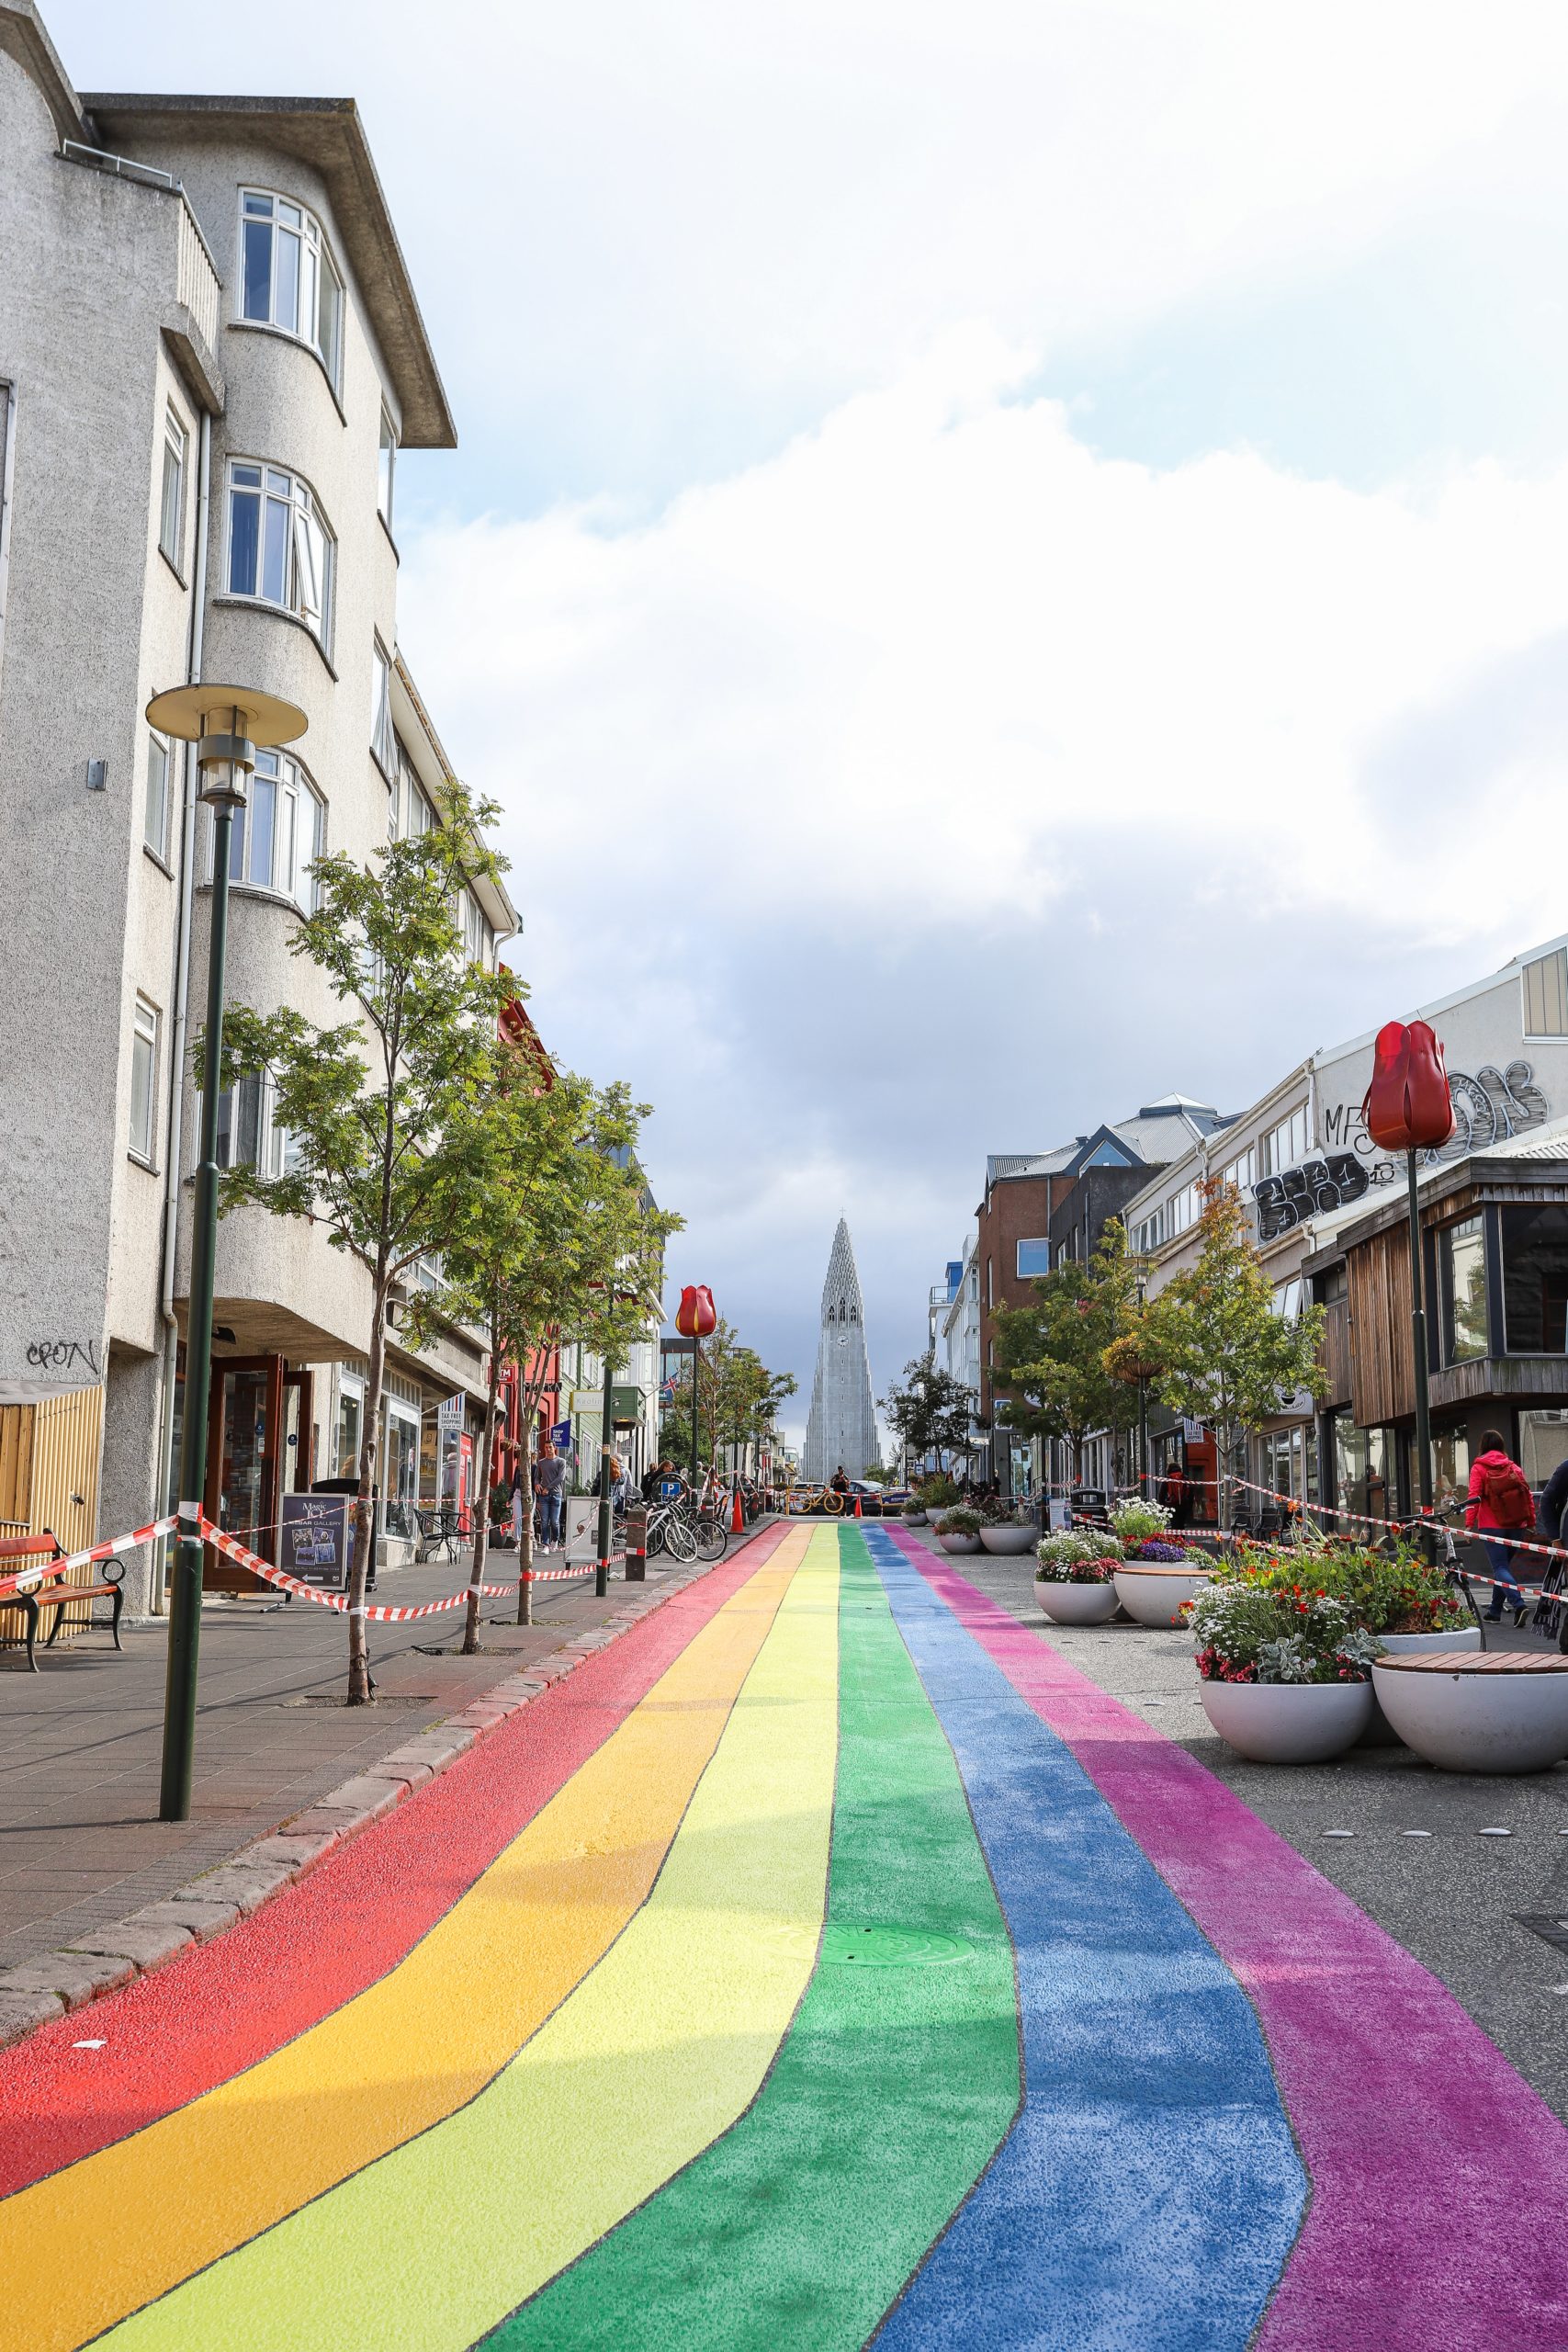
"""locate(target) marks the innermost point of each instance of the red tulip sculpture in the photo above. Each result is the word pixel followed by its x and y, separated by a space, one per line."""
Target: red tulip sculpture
pixel 695 1317
pixel 1407 1106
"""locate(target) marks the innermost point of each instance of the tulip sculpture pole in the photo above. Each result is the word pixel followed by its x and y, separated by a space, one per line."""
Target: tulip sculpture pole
pixel 1408 1108
pixel 695 1319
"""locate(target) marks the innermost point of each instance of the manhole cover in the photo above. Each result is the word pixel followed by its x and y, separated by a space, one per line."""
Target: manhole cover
pixel 874 1947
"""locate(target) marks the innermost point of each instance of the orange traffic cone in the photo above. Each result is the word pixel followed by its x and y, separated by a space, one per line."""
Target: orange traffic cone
pixel 738 1517
pixel 859 1513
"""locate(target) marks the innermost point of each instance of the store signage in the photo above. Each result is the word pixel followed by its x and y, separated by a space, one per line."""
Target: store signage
pixel 449 1412
pixel 1488 1109
pixel 312 1540
pixel 561 1437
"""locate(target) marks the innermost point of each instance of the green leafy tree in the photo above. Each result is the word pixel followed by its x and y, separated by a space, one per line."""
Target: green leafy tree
pixel 931 1412
pixel 738 1399
pixel 382 1149
pixel 553 1227
pixel 1050 1370
pixel 1223 1355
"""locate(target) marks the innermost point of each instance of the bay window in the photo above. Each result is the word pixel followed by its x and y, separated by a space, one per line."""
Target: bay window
pixel 289 278
pixel 1462 1264
pixel 275 842
pixel 280 550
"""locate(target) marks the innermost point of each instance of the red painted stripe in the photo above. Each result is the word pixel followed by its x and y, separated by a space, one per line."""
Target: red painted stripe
pixel 217 2010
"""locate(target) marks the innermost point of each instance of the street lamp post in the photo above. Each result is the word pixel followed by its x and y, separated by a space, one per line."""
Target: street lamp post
pixel 606 1479
pixel 226 724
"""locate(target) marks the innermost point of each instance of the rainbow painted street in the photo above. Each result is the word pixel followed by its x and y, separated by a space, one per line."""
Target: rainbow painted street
pixel 826 1962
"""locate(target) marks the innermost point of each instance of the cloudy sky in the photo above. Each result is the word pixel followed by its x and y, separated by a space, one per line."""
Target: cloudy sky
pixel 1003 560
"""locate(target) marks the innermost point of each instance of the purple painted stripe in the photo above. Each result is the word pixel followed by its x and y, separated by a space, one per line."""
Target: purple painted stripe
pixel 1440 2213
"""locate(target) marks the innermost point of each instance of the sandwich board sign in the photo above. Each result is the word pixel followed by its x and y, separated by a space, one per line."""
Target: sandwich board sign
pixel 313 1540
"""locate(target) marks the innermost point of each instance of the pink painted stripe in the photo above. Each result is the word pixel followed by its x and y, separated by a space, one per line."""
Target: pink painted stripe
pixel 1439 2220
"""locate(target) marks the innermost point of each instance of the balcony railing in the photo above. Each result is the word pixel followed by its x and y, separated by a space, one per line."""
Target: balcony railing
pixel 197 281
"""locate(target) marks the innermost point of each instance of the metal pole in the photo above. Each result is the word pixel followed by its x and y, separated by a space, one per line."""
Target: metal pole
pixel 606 1499
pixel 697 1368
pixel 185 1592
pixel 1418 1339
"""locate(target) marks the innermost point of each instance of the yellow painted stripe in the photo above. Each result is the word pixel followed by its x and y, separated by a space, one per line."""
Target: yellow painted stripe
pixel 409 2050
pixel 654 2055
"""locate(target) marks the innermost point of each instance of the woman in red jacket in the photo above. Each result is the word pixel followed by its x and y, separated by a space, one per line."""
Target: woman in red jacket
pixel 1500 1503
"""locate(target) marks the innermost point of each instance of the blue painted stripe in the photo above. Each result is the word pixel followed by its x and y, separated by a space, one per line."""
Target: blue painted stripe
pixel 1150 2191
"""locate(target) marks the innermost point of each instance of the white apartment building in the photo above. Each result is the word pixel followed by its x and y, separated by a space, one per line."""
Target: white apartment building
pixel 210 356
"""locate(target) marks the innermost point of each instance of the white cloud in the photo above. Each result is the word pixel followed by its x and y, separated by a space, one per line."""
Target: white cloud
pixel 811 780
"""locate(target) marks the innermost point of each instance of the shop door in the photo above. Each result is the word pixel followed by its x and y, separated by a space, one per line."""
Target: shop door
pixel 245 1430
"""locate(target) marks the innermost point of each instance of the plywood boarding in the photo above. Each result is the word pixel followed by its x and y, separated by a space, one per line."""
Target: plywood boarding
pixel 50 1451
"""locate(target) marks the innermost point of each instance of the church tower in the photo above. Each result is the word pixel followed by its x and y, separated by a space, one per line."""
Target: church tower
pixel 842 1426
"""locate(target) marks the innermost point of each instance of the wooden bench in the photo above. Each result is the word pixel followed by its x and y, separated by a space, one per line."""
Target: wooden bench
pixel 52 1590
pixel 1476 1662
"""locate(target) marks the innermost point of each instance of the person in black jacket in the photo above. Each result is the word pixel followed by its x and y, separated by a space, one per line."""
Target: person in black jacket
pixel 1553 1505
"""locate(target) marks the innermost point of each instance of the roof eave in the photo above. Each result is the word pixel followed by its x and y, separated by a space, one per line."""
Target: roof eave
pixel 328 134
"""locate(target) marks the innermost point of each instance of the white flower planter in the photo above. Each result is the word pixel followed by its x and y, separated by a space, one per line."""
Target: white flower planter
pixel 1076 1604
pixel 1479 1721
pixel 1155 1595
pixel 959 1543
pixel 1380 1732
pixel 1010 1541
pixel 1287 1723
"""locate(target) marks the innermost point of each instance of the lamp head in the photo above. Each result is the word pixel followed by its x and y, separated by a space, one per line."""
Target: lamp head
pixel 226 724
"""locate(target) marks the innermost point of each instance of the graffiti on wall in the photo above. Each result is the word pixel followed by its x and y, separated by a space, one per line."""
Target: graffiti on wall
pixel 1488 1109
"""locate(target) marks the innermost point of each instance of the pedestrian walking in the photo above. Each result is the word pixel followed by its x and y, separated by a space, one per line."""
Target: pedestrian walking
pixel 1500 1504
pixel 1553 1505
pixel 549 1483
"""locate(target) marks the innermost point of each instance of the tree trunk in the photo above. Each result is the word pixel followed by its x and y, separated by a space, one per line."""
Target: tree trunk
pixel 481 1533
pixel 360 1691
pixel 525 1532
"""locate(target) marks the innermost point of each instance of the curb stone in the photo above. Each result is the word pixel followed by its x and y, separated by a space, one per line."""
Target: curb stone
pixel 41 1990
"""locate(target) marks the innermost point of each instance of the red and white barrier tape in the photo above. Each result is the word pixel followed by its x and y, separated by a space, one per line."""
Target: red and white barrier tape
pixel 25 1578
pixel 1475 1534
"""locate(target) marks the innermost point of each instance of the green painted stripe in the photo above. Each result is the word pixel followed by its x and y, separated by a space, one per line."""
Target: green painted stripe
pixel 890 2094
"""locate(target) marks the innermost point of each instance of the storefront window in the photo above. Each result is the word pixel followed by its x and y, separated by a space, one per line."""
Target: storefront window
pixel 1543 1442
pixel 349 1409
pixel 1462 1255
pixel 1361 1470
pixel 400 1481
pixel 1450 1466
pixel 1535 1280
pixel 243 1474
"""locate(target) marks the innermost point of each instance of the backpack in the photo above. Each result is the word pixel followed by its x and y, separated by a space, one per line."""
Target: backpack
pixel 1507 1495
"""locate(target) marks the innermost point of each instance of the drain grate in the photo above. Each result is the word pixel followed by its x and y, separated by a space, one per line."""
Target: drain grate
pixel 1543 1924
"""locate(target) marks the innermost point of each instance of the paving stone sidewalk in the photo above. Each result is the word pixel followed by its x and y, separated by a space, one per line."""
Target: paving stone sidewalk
pixel 81 1846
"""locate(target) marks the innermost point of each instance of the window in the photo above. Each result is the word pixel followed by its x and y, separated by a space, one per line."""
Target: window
pixel 275 842
pixel 409 812
pixel 144 1079
pixel 280 550
pixel 1535 1280
pixel 249 1134
pixel 1361 1464
pixel 1287 1299
pixel 1285 1145
pixel 172 506
pixel 386 465
pixel 1242 1172
pixel 475 935
pixel 1181 1210
pixel 1033 1258
pixel 1149 1233
pixel 350 1412
pixel 383 739
pixel 1546 996
pixel 155 816
pixel 1461 1258
pixel 289 278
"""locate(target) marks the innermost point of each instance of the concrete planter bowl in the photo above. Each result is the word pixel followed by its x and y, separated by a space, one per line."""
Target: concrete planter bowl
pixel 1010 1541
pixel 959 1543
pixel 1499 1711
pixel 913 1519
pixel 1380 1732
pixel 1156 1595
pixel 1287 1723
pixel 1076 1604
